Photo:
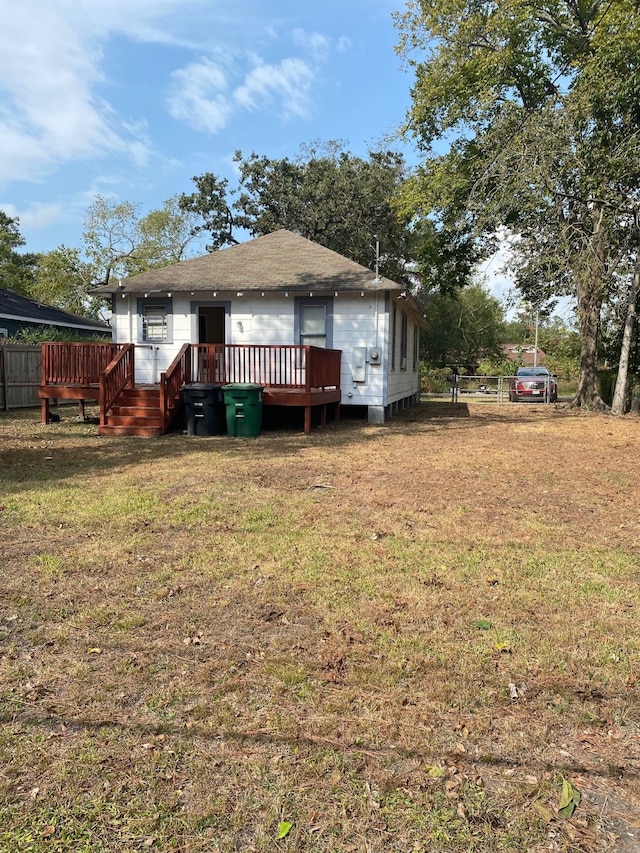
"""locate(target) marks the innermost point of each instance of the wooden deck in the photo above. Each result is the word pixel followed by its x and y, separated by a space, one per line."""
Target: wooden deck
pixel 302 376
pixel 71 371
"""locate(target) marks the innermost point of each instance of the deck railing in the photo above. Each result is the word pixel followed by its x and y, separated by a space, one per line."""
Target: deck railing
pixel 75 363
pixel 117 375
pixel 171 381
pixel 286 367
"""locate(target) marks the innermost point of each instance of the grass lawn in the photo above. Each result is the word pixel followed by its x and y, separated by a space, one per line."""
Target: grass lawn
pixel 422 636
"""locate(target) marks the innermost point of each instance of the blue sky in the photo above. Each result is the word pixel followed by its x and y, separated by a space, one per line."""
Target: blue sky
pixel 131 98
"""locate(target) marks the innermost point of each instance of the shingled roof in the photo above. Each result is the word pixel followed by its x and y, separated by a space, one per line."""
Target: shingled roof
pixel 280 261
pixel 14 306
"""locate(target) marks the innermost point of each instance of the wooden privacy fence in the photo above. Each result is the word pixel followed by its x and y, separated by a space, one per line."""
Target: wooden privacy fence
pixel 19 376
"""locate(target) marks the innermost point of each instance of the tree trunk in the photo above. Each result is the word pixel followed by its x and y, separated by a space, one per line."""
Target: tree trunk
pixel 590 272
pixel 590 296
pixel 620 393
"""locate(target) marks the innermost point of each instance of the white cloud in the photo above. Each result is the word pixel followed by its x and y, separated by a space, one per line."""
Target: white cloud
pixel 50 65
pixel 287 85
pixel 316 45
pixel 58 86
pixel 37 215
pixel 198 96
pixel 344 45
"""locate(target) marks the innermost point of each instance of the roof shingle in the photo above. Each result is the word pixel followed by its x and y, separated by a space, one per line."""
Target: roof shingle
pixel 277 261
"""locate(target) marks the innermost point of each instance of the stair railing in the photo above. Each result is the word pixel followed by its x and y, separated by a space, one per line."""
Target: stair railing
pixel 117 375
pixel 171 381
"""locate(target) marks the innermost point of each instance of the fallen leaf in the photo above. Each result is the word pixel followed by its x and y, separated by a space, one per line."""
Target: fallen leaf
pixel 569 799
pixel 284 828
pixel 543 811
pixel 436 772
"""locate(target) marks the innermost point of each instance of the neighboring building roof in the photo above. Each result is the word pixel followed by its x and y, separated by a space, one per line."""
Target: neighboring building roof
pixel 275 262
pixel 524 353
pixel 21 309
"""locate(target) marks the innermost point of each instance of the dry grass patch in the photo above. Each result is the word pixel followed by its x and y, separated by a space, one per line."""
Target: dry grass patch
pixel 402 637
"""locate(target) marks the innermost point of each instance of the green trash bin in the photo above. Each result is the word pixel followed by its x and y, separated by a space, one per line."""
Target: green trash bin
pixel 243 402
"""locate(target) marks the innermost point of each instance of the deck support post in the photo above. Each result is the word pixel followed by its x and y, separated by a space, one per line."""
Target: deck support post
pixel 307 420
pixel 44 408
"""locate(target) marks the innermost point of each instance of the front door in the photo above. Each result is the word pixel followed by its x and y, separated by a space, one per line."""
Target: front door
pixel 211 324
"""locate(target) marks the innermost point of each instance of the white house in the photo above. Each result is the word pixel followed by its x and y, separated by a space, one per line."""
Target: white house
pixel 275 290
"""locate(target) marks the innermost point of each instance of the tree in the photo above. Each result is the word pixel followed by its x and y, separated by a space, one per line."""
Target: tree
pixel 463 329
pixel 16 270
pixel 120 243
pixel 166 234
pixel 112 238
pixel 63 279
pixel 327 195
pixel 539 103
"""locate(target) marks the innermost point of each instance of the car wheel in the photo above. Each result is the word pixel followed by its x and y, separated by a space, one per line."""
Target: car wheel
pixel 512 398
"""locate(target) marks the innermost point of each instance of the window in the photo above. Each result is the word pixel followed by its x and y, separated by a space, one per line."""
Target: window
pixel 404 333
pixel 313 322
pixel 155 321
pixel 394 326
pixel 416 347
pixel 313 325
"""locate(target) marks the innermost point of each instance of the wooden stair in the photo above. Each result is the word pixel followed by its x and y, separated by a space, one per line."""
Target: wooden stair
pixel 136 412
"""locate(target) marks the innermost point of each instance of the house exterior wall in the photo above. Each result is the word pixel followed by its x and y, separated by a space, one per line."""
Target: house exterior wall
pixel 360 324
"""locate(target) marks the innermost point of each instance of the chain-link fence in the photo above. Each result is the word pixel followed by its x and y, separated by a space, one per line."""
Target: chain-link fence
pixel 503 389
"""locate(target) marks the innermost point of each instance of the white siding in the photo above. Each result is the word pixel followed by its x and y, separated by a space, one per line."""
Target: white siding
pixel 358 321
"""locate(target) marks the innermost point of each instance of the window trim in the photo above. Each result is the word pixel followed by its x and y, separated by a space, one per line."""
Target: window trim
pixel 164 302
pixel 404 339
pixel 394 334
pixel 300 302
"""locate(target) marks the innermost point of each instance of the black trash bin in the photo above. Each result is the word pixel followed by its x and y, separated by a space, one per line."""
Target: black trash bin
pixel 206 414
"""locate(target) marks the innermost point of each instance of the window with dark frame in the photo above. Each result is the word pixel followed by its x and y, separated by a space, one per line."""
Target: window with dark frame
pixel 155 316
pixel 313 324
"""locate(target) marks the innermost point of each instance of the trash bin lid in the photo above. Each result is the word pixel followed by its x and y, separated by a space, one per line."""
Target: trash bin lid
pixel 201 386
pixel 242 386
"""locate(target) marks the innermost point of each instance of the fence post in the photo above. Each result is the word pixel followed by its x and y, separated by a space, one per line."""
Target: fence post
pixel 3 377
pixel 454 387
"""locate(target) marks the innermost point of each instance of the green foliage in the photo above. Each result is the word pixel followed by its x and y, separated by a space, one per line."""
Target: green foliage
pixel 435 380
pixel 499 366
pixel 16 270
pixel 121 243
pixel 562 348
pixel 538 107
pixel 208 204
pixel 63 279
pixel 327 195
pixel 462 329
pixel 42 334
pixel 165 234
